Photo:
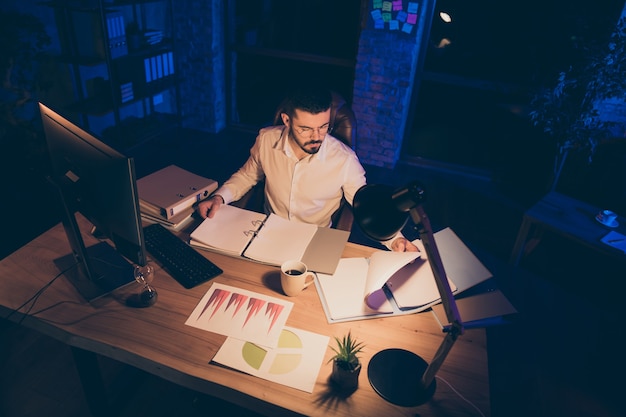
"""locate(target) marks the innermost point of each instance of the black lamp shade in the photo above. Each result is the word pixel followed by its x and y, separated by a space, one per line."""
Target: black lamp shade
pixel 375 212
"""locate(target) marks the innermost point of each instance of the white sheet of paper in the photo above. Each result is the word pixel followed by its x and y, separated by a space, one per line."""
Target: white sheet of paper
pixel 615 239
pixel 229 230
pixel 242 314
pixel 280 240
pixel 382 266
pixel 344 290
pixel 463 269
pixel 295 362
pixel 408 278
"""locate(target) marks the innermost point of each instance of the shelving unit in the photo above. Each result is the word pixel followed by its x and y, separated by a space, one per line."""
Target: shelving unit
pixel 122 62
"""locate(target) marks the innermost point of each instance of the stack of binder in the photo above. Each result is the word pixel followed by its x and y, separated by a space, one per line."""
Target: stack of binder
pixel 116 33
pixel 168 196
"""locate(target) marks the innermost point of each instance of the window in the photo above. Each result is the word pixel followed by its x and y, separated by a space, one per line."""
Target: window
pixel 482 68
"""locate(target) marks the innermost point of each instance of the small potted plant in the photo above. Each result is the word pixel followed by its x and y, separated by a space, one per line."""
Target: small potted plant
pixel 346 363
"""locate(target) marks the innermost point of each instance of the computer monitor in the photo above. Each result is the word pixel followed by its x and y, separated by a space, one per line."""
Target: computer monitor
pixel 99 182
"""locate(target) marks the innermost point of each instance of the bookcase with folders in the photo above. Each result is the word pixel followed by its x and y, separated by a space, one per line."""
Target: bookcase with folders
pixel 122 64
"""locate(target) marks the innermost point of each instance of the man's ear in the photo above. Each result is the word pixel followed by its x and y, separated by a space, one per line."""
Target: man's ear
pixel 285 118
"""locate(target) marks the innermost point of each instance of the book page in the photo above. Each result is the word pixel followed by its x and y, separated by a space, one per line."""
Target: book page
pixel 342 293
pixel 229 231
pixel 280 240
pixel 416 283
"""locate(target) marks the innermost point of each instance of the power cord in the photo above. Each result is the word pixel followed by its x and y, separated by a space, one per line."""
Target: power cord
pixel 460 396
pixel 36 296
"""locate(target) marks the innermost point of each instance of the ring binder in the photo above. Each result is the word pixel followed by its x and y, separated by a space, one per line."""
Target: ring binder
pixel 273 240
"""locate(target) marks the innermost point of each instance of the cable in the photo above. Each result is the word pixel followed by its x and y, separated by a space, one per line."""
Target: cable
pixel 460 396
pixel 37 295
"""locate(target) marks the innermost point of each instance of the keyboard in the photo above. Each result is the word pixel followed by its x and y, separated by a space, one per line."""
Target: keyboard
pixel 181 261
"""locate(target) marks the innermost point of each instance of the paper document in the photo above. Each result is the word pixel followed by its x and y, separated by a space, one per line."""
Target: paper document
pixel 280 240
pixel 391 283
pixel 230 230
pixel 294 362
pixel 270 239
pixel 616 240
pixel 480 310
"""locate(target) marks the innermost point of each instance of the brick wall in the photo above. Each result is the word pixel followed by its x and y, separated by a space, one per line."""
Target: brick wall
pixel 381 94
pixel 199 27
pixel 383 84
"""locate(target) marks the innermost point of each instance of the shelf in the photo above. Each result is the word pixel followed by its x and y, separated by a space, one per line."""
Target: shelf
pixel 117 73
pixel 88 61
pixel 79 6
pixel 124 136
pixel 98 106
pixel 94 106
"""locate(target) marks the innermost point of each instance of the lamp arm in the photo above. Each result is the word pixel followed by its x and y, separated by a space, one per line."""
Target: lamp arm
pixel 422 223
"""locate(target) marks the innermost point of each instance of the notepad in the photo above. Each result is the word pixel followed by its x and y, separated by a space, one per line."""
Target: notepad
pixel 270 239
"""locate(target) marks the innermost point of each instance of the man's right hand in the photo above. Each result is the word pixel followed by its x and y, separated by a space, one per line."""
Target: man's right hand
pixel 210 206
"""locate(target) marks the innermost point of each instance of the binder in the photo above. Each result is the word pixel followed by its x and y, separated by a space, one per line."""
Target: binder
pixel 172 190
pixel 150 214
pixel 480 310
pixel 270 239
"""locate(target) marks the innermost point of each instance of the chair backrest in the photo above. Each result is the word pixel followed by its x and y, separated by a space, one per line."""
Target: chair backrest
pixel 342 119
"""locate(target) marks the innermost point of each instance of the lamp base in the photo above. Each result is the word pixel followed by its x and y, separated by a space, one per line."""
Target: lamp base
pixel 395 374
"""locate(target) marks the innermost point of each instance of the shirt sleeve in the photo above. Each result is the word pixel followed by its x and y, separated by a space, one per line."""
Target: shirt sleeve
pixel 355 178
pixel 387 243
pixel 245 178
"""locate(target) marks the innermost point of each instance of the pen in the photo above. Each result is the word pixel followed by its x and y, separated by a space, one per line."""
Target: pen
pixel 615 240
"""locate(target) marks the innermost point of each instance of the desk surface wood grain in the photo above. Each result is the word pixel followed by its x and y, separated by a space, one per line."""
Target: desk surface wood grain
pixel 156 339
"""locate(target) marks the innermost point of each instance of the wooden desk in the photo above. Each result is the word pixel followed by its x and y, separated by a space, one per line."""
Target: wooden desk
pixel 569 217
pixel 156 339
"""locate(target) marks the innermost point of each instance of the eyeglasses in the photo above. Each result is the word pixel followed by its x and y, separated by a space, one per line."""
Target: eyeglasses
pixel 307 132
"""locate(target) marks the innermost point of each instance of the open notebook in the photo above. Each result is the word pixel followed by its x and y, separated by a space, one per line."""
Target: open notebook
pixel 270 239
pixel 391 283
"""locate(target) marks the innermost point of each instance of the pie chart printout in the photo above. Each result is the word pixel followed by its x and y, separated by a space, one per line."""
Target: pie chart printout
pixel 287 355
pixel 295 360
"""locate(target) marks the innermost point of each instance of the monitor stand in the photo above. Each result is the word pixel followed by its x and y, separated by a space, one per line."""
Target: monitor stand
pixel 95 270
pixel 109 271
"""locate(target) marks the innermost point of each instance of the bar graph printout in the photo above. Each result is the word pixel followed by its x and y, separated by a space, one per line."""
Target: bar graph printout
pixel 241 314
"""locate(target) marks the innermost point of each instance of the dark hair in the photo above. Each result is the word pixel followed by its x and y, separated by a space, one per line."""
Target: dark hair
pixel 310 99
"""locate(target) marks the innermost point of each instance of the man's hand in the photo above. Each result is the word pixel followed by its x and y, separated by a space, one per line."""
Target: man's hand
pixel 209 207
pixel 402 244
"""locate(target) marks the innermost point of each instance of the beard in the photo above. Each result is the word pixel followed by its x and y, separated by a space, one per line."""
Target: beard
pixel 304 145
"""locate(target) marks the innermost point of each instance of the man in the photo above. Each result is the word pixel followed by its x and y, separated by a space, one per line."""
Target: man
pixel 306 170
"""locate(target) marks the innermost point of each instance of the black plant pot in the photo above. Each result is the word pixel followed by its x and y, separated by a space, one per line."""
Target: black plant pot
pixel 345 379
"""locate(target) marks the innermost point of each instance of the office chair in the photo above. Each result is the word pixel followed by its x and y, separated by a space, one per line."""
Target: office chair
pixel 343 122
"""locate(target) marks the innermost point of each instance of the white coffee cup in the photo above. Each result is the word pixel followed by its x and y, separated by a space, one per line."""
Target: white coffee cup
pixel 295 277
pixel 607 217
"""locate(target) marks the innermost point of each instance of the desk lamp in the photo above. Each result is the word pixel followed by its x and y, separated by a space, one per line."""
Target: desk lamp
pixel 399 376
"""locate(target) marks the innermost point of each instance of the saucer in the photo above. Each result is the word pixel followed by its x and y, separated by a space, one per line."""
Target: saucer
pixel 614 223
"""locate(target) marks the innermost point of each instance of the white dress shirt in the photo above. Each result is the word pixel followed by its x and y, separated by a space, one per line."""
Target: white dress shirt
pixel 307 190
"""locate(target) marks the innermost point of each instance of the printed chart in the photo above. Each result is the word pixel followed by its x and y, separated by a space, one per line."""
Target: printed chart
pixel 241 314
pixel 294 362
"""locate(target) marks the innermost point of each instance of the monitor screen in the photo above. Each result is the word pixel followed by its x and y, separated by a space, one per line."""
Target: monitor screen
pixel 99 182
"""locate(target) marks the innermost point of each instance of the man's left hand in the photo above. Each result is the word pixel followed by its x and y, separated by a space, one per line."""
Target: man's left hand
pixel 402 244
